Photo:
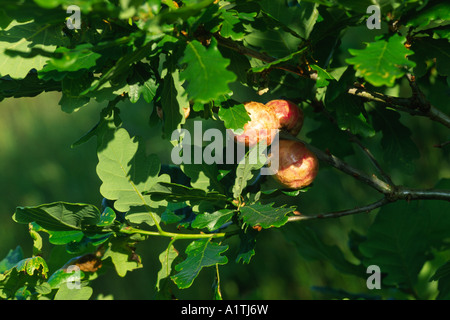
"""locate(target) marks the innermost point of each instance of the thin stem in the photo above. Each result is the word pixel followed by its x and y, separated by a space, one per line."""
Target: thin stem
pixel 372 181
pixel 403 193
pixel 399 194
pixel 174 236
pixel 337 214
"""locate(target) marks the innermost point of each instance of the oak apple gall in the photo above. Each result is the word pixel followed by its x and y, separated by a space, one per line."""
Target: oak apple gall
pixel 289 115
pixel 263 125
pixel 298 166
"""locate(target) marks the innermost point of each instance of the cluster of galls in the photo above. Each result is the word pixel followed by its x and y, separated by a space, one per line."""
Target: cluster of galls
pixel 297 166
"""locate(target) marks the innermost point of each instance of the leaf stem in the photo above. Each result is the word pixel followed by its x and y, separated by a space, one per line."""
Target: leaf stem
pixel 173 235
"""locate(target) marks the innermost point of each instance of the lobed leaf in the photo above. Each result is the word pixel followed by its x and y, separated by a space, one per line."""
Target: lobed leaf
pixel 265 215
pixel 234 117
pixel 59 216
pixel 200 253
pixel 206 74
pixel 173 192
pixel 382 61
pixel 17 42
pixel 126 172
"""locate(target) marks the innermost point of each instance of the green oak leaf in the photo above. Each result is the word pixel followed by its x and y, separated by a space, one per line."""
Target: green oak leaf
pixel 64 293
pixel 278 62
pixel 206 74
pixel 203 176
pixel 200 253
pixel 323 77
pixel 166 258
pixel 399 148
pixel 433 50
pixel 173 101
pixel 245 171
pixel 126 172
pixel 65 59
pixel 107 217
pixel 265 215
pixel 59 216
pixel 231 26
pixel 212 221
pixel 350 115
pixel 173 192
pixel 19 39
pixel 434 13
pixel 383 61
pixel 442 276
pixel 234 117
pixel 247 245
pixel 299 19
pixel 276 42
pixel 29 265
pixel 122 255
pixel 11 259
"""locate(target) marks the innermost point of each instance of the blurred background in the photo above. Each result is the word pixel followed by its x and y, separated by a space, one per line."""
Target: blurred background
pixel 39 166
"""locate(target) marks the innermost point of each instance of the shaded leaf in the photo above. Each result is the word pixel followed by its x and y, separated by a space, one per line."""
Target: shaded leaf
pixel 23 38
pixel 234 117
pixel 212 221
pixel 246 246
pixel 200 253
pixel 434 13
pixel 126 171
pixel 122 255
pixel 277 62
pixel 382 62
pixel 166 258
pixel 11 259
pixel 59 216
pixel 265 215
pixel 29 265
pixel 172 102
pixel 64 293
pixel 173 192
pixel 206 74
pixel 442 276
pixel 253 160
pixel 398 147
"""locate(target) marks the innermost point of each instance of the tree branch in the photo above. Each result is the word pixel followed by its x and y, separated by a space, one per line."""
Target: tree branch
pixel 411 105
pixel 401 193
pixel 372 181
pixel 338 214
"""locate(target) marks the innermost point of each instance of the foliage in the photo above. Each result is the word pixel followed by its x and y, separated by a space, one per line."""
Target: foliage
pixel 212 56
